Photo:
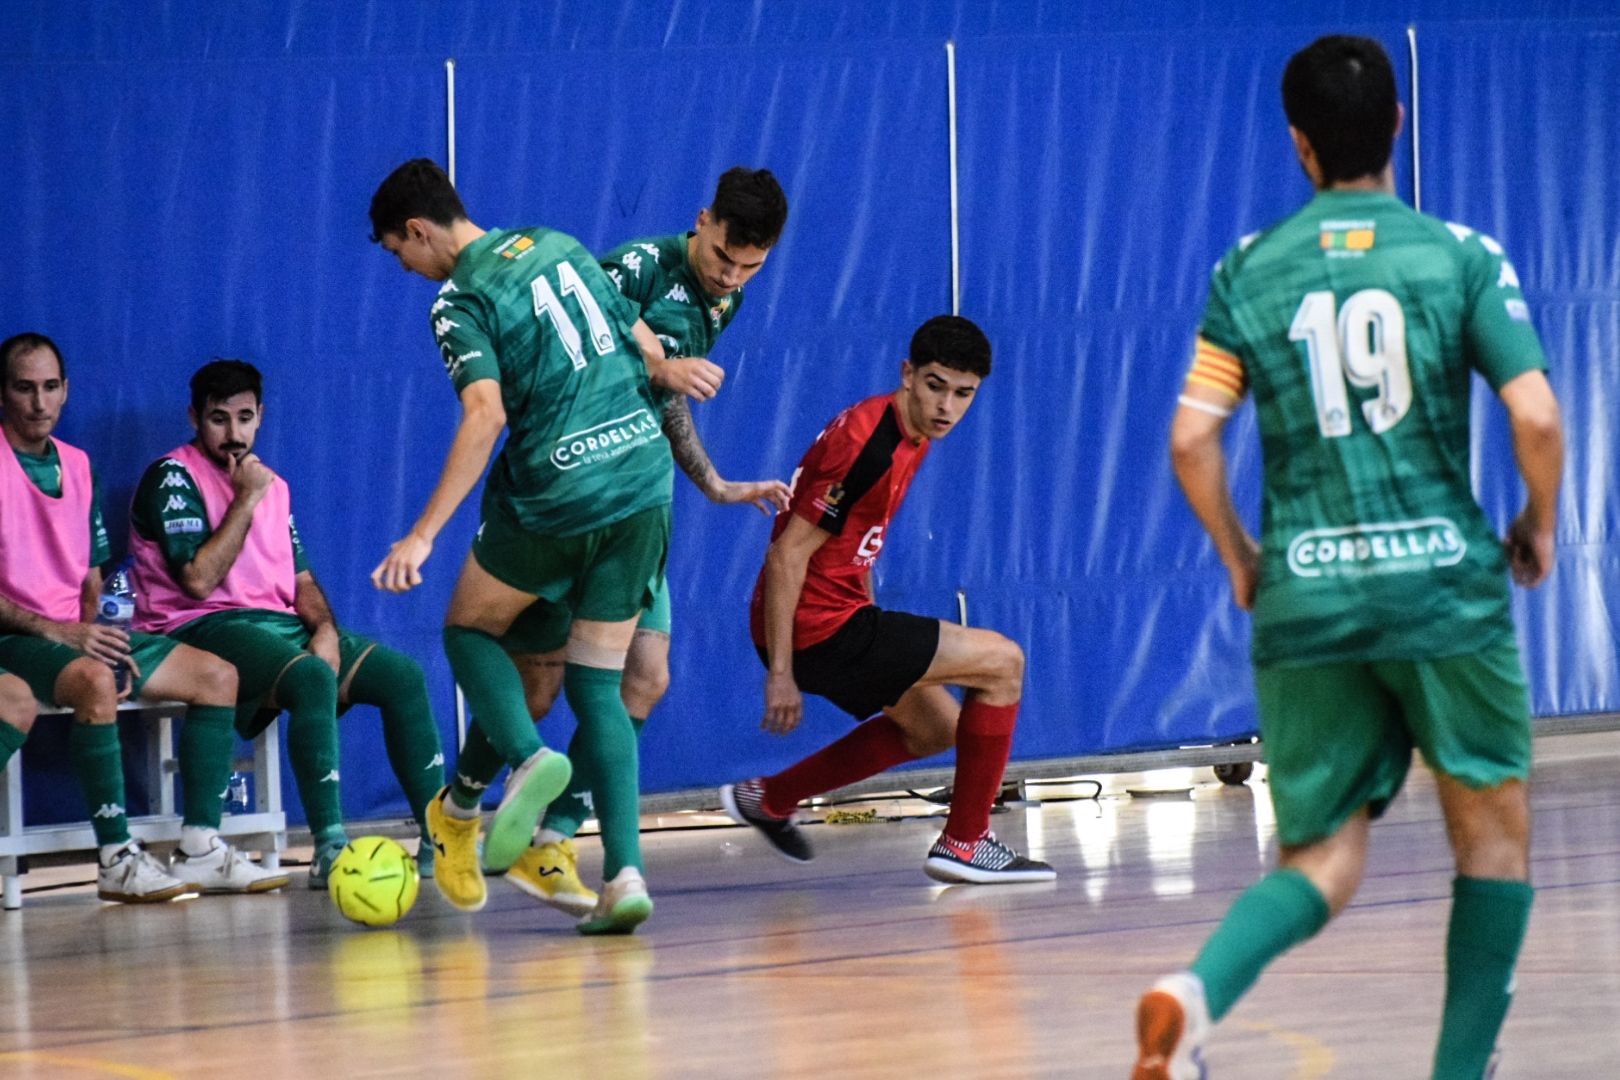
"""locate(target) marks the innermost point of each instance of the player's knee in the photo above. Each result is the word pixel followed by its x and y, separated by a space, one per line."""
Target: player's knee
pixel 1007 666
pixel 307 681
pixel 215 682
pixel 17 705
pixel 644 686
pixel 90 689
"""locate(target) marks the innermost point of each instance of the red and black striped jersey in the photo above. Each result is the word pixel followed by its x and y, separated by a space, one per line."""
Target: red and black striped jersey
pixel 849 483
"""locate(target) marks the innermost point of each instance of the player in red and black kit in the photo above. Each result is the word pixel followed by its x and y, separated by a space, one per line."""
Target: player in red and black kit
pixel 818 630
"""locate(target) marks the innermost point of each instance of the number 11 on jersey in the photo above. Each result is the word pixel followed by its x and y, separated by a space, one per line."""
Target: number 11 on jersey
pixel 548 305
pixel 1364 342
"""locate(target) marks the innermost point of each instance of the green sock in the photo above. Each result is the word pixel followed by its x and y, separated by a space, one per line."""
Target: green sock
pixel 207 739
pixel 494 693
pixel 476 768
pixel 393 682
pixel 606 749
pixel 308 691
pixel 99 759
pixel 573 806
pixel 11 740
pixel 1276 913
pixel 1488 921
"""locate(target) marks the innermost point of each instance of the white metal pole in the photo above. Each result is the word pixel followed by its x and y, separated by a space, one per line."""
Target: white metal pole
pixel 956 242
pixel 450 117
pixel 1417 141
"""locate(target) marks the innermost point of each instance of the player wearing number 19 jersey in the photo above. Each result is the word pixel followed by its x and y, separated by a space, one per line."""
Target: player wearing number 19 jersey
pixel 537 341
pixel 817 628
pixel 1381 620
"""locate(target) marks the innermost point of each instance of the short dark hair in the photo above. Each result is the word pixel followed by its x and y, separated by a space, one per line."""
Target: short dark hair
pixel 751 205
pixel 220 379
pixel 19 344
pixel 1339 91
pixel 417 189
pixel 951 341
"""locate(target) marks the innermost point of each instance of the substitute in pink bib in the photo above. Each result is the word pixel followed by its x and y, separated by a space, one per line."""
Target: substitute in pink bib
pixel 262 576
pixel 45 540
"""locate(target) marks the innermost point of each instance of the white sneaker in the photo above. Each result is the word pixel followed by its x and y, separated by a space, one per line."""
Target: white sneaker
pixel 621 906
pixel 1172 1022
pixel 224 870
pixel 134 877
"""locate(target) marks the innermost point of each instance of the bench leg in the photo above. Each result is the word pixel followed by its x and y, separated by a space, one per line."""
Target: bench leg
pixel 12 892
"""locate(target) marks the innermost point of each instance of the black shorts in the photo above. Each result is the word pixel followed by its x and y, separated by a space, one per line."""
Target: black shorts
pixel 869 662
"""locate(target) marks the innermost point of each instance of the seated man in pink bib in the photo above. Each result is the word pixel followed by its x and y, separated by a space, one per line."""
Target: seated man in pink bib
pixel 52 545
pixel 219 565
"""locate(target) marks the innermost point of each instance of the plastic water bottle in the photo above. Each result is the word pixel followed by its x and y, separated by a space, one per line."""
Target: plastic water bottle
pixel 116 607
pixel 237 796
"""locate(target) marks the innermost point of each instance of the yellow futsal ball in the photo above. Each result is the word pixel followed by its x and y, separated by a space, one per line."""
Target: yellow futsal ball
pixel 373 881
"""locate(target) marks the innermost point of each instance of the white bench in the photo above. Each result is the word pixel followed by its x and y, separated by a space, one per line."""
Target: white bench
pixel 263 830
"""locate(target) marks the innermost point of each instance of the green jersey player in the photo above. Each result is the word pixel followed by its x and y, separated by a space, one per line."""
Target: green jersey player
pixel 1379 590
pixel 686 288
pixel 538 342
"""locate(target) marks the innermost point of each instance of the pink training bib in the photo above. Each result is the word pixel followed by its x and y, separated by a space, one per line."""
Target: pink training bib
pixel 262 576
pixel 45 541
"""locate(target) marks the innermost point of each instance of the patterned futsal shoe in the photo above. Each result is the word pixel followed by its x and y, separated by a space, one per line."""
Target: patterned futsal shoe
pixel 745 804
pixel 623 905
pixel 320 863
pixel 135 877
pixel 986 861
pixel 550 873
pixel 455 856
pixel 1172 1022
pixel 223 869
pixel 529 790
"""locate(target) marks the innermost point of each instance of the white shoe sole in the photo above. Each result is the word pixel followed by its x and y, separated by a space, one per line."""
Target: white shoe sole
pixel 954 873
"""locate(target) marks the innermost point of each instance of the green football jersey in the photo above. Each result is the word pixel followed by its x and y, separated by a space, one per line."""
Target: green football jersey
pixel 45 470
pixel 531 309
pixel 168 510
pixel 656 276
pixel 1357 322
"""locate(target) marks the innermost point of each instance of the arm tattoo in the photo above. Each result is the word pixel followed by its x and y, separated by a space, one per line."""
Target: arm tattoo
pixel 685 445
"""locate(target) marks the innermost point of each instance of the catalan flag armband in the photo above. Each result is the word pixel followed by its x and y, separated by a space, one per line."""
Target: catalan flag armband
pixel 1214 368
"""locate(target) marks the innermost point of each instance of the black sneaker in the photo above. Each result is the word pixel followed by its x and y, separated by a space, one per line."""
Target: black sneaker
pixel 744 803
pixel 987 861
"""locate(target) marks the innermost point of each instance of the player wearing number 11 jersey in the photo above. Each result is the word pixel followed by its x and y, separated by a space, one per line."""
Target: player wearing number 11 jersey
pixel 1379 590
pixel 536 340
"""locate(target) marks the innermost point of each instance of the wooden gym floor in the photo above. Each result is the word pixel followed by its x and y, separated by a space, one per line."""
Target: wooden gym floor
pixel 855 966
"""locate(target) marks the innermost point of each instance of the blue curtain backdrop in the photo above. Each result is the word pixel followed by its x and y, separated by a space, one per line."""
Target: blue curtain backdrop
pixel 189 183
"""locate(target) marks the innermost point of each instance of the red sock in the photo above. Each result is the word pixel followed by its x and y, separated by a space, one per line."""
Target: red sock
pixel 983 741
pixel 872 747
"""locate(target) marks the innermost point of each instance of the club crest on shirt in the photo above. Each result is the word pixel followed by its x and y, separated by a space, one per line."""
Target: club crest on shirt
pixel 718 310
pixel 828 503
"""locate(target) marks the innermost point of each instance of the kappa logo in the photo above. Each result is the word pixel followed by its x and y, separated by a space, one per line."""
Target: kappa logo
pixel 468 782
pixel 448 286
pixel 678 294
pixel 438 305
pixel 444 325
pixel 175 478
pixel 330 778
pixel 618 279
pixel 632 263
pixel 175 503
pixel 108 810
pixel 437 762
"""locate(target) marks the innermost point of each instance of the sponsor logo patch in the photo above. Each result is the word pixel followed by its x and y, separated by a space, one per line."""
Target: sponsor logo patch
pixel 516 249
pixel 605 441
pixel 181 525
pixel 1393 547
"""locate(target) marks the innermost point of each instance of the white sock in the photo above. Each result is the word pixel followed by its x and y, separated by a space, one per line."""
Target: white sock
pixel 452 809
pixel 197 840
pixel 548 836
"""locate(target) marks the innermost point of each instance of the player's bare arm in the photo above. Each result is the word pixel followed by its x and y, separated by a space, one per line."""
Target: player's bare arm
pixel 1200 466
pixel 786 562
pixel 690 454
pixel 250 479
pixel 315 612
pixel 1538 443
pixel 482 418
pixel 108 644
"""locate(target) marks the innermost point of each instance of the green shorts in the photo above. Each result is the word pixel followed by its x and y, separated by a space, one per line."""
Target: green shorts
pixel 605 575
pixel 543 626
pixel 261 644
pixel 40 662
pixel 1338 737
